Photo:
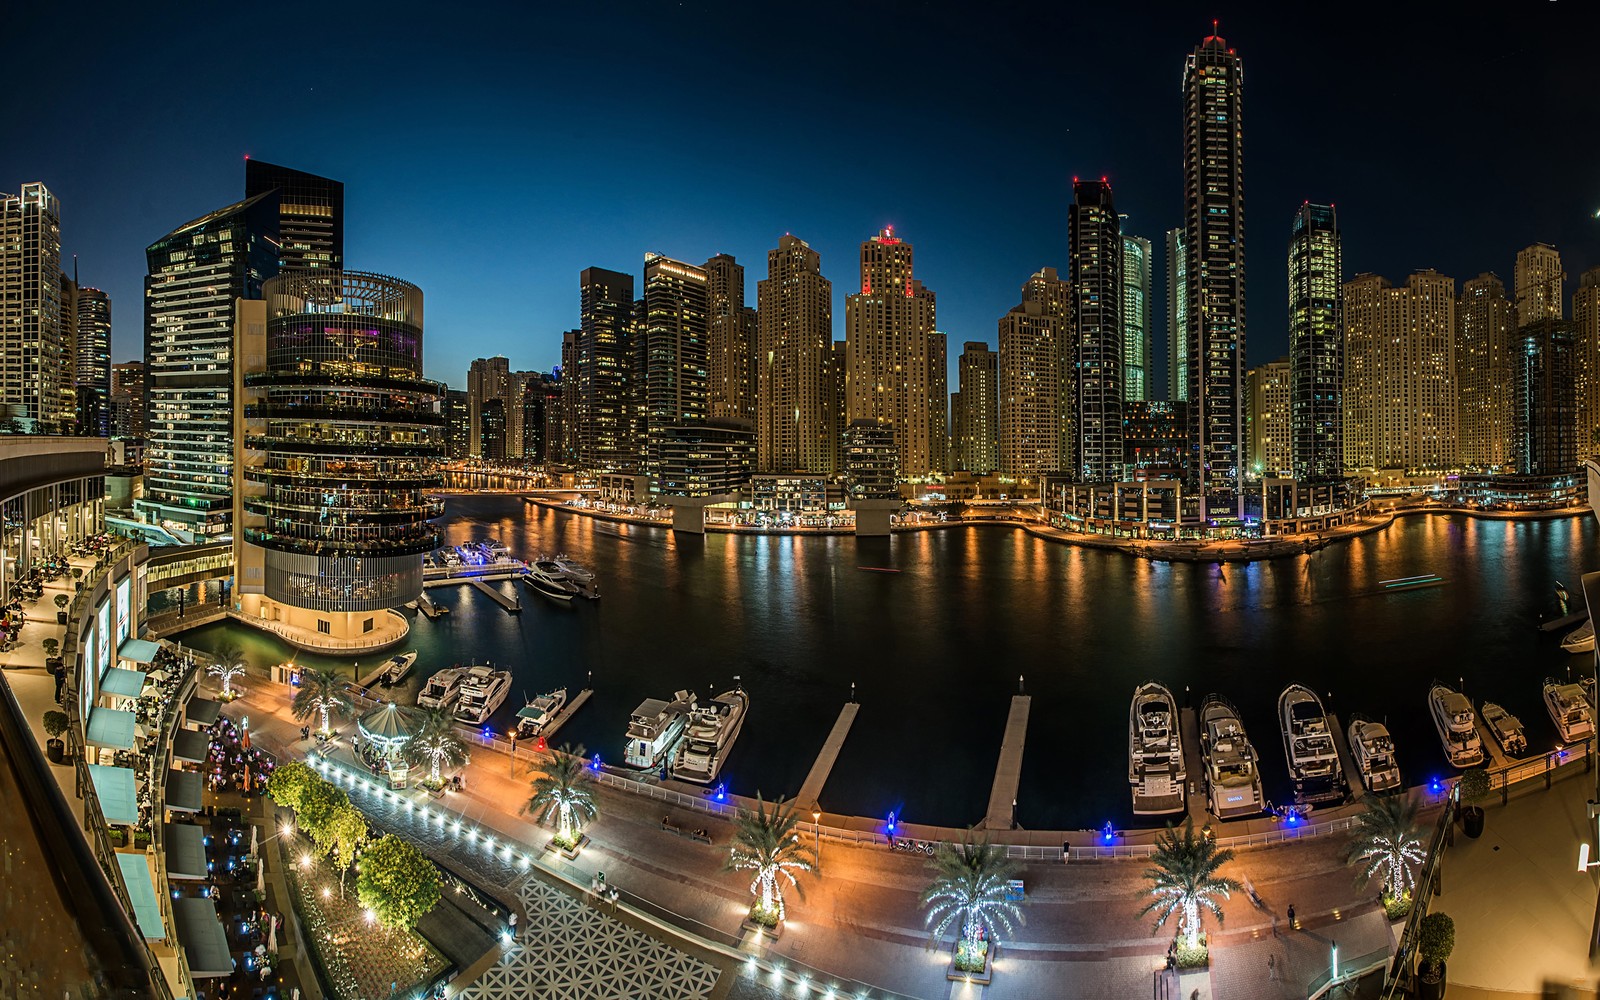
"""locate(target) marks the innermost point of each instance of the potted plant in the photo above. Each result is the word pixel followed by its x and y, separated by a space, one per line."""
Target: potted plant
pixel 1436 939
pixel 55 723
pixel 141 839
pixel 1473 790
pixel 51 647
pixel 62 600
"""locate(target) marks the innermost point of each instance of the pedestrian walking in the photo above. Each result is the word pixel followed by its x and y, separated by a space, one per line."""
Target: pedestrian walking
pixel 1272 968
pixel 1292 925
pixel 512 921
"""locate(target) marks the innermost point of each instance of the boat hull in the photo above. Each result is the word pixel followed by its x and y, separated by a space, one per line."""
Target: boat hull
pixel 1314 771
pixel 685 770
pixel 1156 771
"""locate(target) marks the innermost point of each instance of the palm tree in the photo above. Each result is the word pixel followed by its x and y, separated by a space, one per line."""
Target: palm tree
pixel 768 844
pixel 1387 844
pixel 436 742
pixel 969 891
pixel 1185 879
pixel 320 691
pixel 230 664
pixel 565 789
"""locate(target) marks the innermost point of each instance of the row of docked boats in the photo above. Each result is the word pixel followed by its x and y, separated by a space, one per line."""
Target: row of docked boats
pixel 561 578
pixel 475 692
pixel 1571 708
pixel 690 739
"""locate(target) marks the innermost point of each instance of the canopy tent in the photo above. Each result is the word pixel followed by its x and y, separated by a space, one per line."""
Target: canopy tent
pixel 205 944
pixel 142 894
pixel 186 851
pixel 390 726
pixel 202 712
pixel 110 727
pixel 114 787
pixel 183 791
pixel 138 650
pixel 123 683
pixel 191 745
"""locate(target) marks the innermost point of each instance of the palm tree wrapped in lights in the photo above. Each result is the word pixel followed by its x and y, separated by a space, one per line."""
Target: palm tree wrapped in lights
pixel 566 790
pixel 1387 844
pixel 1184 880
pixel 969 891
pixel 320 691
pixel 436 742
pixel 230 664
pixel 767 842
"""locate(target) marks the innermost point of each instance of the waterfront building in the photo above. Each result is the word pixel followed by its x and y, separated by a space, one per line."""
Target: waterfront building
pixel 1155 439
pixel 1538 278
pixel 569 396
pixel 1586 362
pixel 601 368
pixel 196 272
pixel 92 360
pixel 1485 321
pixel 797 381
pixel 1544 399
pixel 310 214
pixel 1269 388
pixel 36 364
pixel 339 436
pixel 541 417
pixel 1033 337
pixel 458 424
pixel 892 345
pixel 1213 79
pixel 1177 318
pixel 673 346
pixel 127 400
pixel 730 342
pixel 1400 387
pixel 975 410
pixel 789 496
pixel 492 431
pixel 487 379
pixel 1138 361
pixel 1097 334
pixel 871 461
pixel 710 460
pixel 1316 345
pixel 841 398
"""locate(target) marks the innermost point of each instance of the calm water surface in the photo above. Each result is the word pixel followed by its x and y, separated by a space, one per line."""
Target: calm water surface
pixel 937 649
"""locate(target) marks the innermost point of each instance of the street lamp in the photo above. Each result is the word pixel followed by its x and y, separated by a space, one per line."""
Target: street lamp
pixel 816 825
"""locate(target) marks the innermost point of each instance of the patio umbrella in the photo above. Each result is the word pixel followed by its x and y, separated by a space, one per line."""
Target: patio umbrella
pixel 159 676
pixel 150 691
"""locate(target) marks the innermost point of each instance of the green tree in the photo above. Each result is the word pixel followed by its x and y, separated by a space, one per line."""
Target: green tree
pixel 1184 880
pixel 567 790
pixel 289 782
pixel 968 891
pixel 342 837
pixel 320 801
pixel 321 691
pixel 436 747
pixel 1387 844
pixel 1436 939
pixel 767 843
pixel 396 882
pixel 55 723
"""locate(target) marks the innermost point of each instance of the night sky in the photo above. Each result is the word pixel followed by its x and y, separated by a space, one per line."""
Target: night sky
pixel 489 157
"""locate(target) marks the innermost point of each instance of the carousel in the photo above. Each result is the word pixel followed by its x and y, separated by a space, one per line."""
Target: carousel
pixel 384 731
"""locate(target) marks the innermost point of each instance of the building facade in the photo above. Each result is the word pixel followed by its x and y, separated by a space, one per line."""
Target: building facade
pixel 1177 317
pixel 1586 363
pixel 797 406
pixel 975 411
pixel 1097 332
pixel 673 346
pixel 1270 388
pixel 1485 321
pixel 1032 379
pixel 36 363
pixel 603 373
pixel 127 400
pixel 1545 398
pixel 1538 278
pixel 1400 385
pixel 1155 439
pixel 730 342
pixel 458 424
pixel 310 214
pixel 489 379
pixel 92 360
pixel 1316 345
pixel 1138 358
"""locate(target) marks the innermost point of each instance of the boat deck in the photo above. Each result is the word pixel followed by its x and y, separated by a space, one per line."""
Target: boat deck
pixel 1493 755
pixel 1194 765
pixel 1008 770
pixel 511 604
pixel 811 790
pixel 1347 760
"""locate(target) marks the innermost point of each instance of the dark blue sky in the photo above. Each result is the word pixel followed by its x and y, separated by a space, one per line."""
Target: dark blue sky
pixel 490 156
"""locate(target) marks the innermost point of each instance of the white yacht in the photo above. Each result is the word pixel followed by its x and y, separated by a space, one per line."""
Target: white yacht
pixel 1453 718
pixel 1308 746
pixel 483 690
pixel 1373 749
pixel 397 667
pixel 546 577
pixel 1569 709
pixel 654 728
pixel 494 550
pixel 1155 752
pixel 535 717
pixel 1505 728
pixel 1233 774
pixel 442 689
pixel 709 737
pixel 1580 639
pixel 578 575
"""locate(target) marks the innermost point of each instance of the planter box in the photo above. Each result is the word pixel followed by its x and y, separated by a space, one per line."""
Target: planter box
pixel 571 854
pixel 983 978
pixel 771 933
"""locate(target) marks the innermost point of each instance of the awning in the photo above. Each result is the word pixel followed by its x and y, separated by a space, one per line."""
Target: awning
pixel 138 650
pixel 126 683
pixel 202 711
pixel 191 745
pixel 183 791
pixel 142 893
pixel 114 787
pixel 186 850
pixel 205 945
pixel 110 727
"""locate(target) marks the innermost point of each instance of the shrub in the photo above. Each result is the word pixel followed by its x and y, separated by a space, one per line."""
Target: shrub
pixel 55 723
pixel 1394 908
pixel 1474 786
pixel 1197 957
pixel 1436 939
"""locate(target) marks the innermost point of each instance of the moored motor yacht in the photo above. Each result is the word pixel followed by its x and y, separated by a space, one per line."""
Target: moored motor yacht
pixel 1308 746
pixel 442 689
pixel 1580 639
pixel 1373 750
pixel 397 667
pixel 535 717
pixel 546 577
pixel 1453 718
pixel 654 729
pixel 709 736
pixel 1155 752
pixel 1505 728
pixel 1569 710
pixel 483 690
pixel 1233 774
pixel 578 575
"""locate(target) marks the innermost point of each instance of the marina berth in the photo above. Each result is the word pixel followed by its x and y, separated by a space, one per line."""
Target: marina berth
pixel 1373 750
pixel 1155 752
pixel 536 717
pixel 1569 709
pixel 1233 773
pixel 442 689
pixel 1505 728
pixel 397 667
pixel 1308 747
pixel 483 691
pixel 708 737
pixel 1458 732
pixel 547 578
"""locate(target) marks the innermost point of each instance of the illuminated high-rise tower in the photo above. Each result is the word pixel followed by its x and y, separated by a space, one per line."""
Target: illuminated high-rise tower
pixel 975 411
pixel 1586 367
pixel 1097 332
pixel 797 417
pixel 36 368
pixel 1538 280
pixel 92 360
pixel 1177 317
pixel 1213 83
pixel 1034 338
pixel 676 302
pixel 310 214
pixel 1316 343
pixel 730 342
pixel 1400 380
pixel 601 368
pixel 1138 362
pixel 1484 371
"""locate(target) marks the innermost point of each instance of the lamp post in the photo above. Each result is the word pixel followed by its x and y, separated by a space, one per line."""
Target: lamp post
pixel 816 826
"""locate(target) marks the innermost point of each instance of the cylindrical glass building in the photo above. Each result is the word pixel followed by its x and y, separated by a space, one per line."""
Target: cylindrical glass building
pixel 350 432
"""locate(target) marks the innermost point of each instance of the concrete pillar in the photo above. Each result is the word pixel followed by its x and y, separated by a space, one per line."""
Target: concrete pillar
pixel 690 519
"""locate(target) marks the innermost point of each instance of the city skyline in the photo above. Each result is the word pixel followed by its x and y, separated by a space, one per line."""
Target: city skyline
pixel 530 208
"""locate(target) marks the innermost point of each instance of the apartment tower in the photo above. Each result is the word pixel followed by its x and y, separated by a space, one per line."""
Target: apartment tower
pixel 1097 332
pixel 1485 326
pixel 1400 380
pixel 796 405
pixel 1316 344
pixel 730 342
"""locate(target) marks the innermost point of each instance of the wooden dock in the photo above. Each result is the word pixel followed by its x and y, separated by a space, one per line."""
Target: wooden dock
pixel 566 713
pixel 1008 770
pixel 811 790
pixel 426 605
pixel 372 676
pixel 1193 766
pixel 1493 755
pixel 511 604
pixel 1347 760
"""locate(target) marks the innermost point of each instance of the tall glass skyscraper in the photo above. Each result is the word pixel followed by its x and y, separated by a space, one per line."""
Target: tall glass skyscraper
pixel 310 214
pixel 35 369
pixel 601 370
pixel 1177 317
pixel 1316 343
pixel 195 274
pixel 1137 359
pixel 676 379
pixel 92 361
pixel 1097 289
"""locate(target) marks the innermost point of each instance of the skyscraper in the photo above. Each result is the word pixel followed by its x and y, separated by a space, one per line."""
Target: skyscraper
pixel 1033 336
pixel 1538 284
pixel 1586 363
pixel 797 416
pixel 1138 361
pixel 1316 343
pixel 92 361
pixel 36 368
pixel 602 371
pixel 1544 398
pixel 1400 384
pixel 1270 391
pixel 674 349
pixel 127 400
pixel 310 214
pixel 196 272
pixel 1097 339
pixel 976 410
pixel 1484 374
pixel 1177 318
pixel 458 424
pixel 730 341
pixel 889 330
pixel 1213 79
pixel 490 378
